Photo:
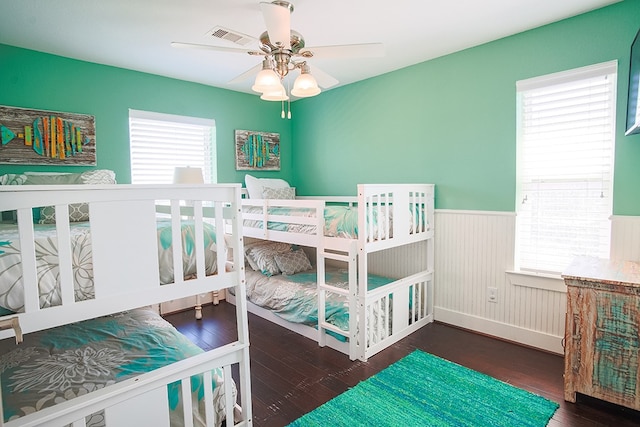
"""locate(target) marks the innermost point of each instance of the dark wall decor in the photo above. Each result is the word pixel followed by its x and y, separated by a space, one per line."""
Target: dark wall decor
pixel 257 150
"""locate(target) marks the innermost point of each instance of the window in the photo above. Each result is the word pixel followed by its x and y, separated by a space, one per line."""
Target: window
pixel 161 142
pixel 566 140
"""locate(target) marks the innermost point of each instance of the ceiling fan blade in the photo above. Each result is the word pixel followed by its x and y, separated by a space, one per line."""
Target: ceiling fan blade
pixel 325 80
pixel 278 21
pixel 367 50
pixel 247 74
pixel 214 48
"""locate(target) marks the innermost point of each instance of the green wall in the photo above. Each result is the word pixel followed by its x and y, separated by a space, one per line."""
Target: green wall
pixel 452 120
pixel 36 80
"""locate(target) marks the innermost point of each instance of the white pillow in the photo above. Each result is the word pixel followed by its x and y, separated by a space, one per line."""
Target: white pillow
pixel 255 186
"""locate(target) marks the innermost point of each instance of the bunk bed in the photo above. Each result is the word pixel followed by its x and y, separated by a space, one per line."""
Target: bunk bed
pixel 98 353
pixel 343 301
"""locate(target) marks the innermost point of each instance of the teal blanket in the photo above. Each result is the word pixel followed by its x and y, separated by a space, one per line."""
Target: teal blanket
pixel 61 363
pixel 295 299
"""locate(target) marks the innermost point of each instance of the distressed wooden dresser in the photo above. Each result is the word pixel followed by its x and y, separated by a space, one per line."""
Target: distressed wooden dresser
pixel 602 332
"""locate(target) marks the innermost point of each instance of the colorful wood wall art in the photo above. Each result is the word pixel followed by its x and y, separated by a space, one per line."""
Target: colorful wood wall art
pixel 38 137
pixel 257 150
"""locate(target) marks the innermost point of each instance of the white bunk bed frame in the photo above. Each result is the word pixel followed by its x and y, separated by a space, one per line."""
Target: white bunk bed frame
pixel 408 301
pixel 126 277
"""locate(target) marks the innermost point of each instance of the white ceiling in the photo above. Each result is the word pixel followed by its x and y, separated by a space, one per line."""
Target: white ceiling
pixel 136 34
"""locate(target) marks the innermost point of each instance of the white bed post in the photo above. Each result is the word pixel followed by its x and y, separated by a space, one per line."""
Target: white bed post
pixel 28 257
pixel 320 276
pixel 353 299
pixel 363 277
pixel 241 309
pixel 430 219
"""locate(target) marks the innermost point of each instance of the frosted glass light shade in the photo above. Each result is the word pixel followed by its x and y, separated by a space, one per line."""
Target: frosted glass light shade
pixel 305 86
pixel 278 94
pixel 266 80
pixel 187 176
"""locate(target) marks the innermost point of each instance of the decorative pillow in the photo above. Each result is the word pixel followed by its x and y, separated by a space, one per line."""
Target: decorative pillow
pixel 261 256
pixel 99 176
pixel 52 178
pixel 12 179
pixel 279 193
pixel 77 212
pixel 249 260
pixel 255 186
pixel 293 262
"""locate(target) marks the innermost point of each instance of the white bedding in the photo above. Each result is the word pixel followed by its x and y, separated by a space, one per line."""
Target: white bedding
pixel 339 220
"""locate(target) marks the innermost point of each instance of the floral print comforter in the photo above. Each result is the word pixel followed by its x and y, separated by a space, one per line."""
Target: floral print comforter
pixel 295 297
pixel 61 363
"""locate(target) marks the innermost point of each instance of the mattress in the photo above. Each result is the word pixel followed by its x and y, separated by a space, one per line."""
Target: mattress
pixel 58 364
pixel 11 282
pixel 339 221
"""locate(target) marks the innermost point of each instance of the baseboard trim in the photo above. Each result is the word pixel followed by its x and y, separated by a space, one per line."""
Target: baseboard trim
pixel 528 337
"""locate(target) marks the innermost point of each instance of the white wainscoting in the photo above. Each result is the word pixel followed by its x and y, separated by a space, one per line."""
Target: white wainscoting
pixel 474 250
pixel 625 237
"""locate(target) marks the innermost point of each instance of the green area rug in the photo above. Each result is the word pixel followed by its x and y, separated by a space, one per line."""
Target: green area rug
pixel 425 390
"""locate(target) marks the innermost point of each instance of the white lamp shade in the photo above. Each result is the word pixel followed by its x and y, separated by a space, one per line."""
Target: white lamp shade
pixel 305 86
pixel 278 94
pixel 266 80
pixel 187 175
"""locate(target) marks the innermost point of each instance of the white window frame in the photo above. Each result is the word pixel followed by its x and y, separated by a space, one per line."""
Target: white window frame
pixel 161 142
pixel 570 173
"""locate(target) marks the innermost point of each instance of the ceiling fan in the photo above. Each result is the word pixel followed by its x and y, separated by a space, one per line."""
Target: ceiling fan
pixel 284 50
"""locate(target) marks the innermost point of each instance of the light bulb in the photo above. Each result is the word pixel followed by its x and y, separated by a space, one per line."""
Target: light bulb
pixel 267 80
pixel 276 94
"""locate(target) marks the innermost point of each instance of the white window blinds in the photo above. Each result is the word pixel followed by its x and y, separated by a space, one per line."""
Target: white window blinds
pixel 161 142
pixel 566 140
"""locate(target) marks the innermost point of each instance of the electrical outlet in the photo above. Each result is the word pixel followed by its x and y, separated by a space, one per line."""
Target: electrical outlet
pixel 492 294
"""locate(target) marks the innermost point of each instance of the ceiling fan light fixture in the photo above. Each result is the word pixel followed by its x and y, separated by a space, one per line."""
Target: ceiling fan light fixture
pixel 276 94
pixel 305 85
pixel 267 79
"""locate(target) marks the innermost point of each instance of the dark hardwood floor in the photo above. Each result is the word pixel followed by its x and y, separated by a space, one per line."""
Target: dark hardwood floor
pixel 291 375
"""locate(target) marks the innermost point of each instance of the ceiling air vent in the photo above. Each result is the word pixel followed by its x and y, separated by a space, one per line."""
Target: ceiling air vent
pixel 229 35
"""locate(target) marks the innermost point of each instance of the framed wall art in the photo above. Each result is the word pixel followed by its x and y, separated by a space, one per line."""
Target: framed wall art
pixel 40 137
pixel 257 150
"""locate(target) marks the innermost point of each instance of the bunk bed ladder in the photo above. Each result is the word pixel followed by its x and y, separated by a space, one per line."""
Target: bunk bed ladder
pixel 349 257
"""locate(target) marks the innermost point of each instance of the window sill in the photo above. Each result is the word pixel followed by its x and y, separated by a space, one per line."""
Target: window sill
pixel 549 282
